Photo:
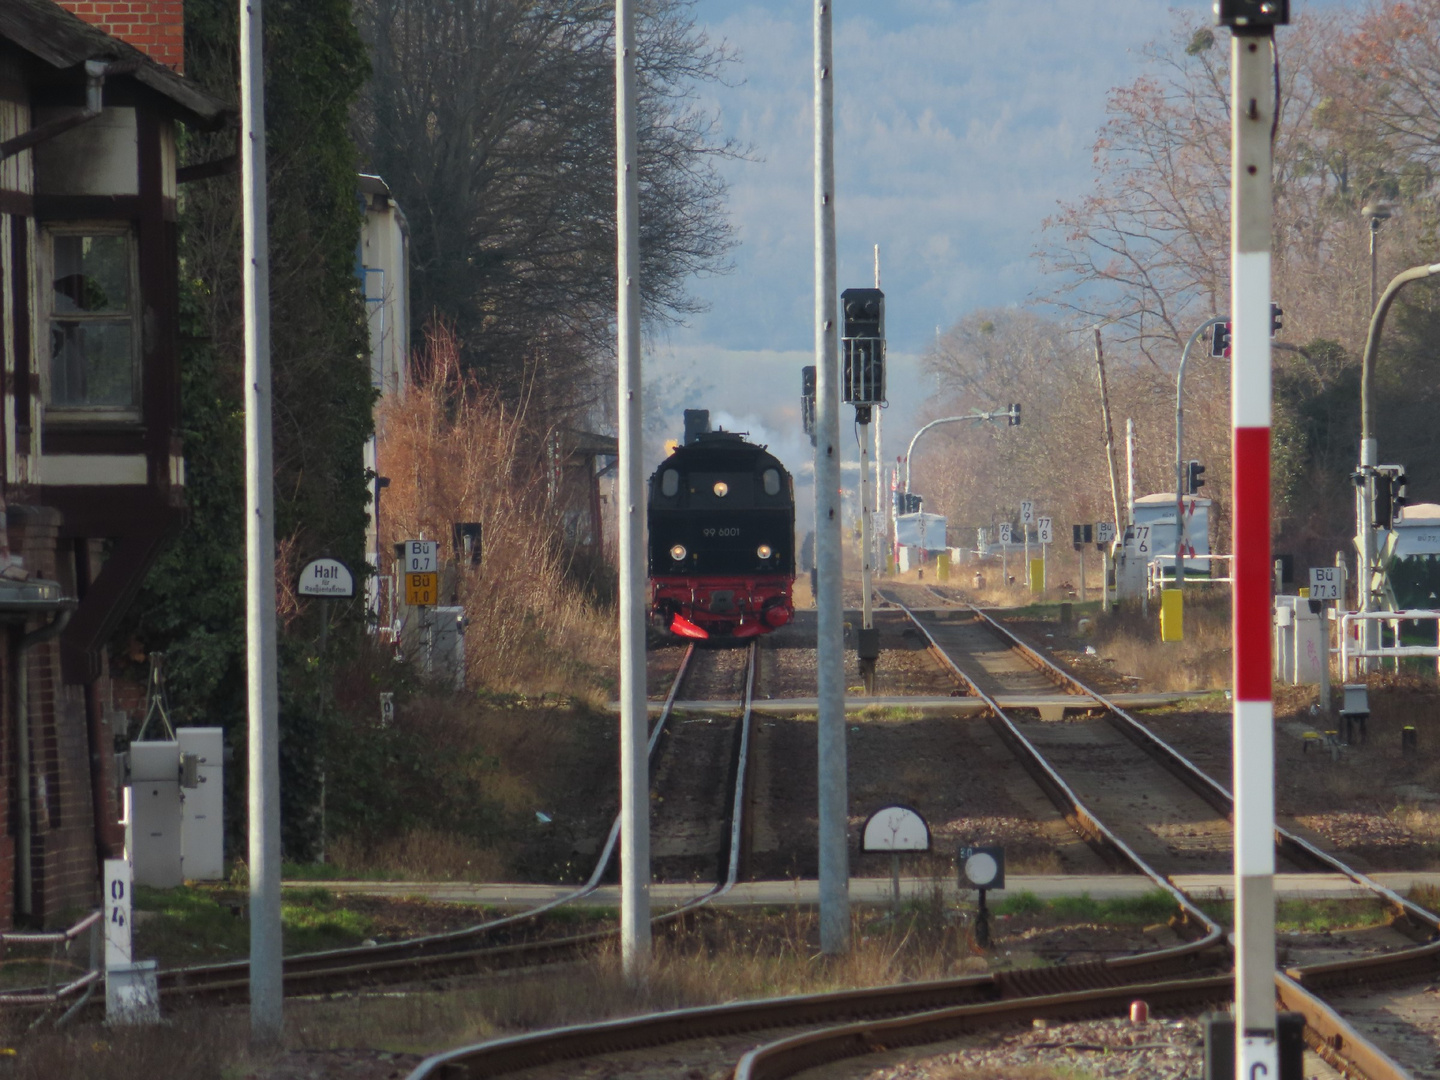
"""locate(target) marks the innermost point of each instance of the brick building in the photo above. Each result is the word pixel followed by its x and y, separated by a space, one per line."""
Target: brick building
pixel 91 466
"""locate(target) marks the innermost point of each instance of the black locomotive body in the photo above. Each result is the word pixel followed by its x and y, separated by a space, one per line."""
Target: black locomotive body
pixel 721 520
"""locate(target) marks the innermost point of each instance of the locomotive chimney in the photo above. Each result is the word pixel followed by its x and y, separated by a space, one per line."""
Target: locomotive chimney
pixel 697 423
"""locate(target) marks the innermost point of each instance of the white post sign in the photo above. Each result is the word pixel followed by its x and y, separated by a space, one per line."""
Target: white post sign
pixel 422 556
pixel 1104 532
pixel 420 567
pixel 117 913
pixel 1325 583
pixel 1005 533
pixel 1046 534
pixel 1027 512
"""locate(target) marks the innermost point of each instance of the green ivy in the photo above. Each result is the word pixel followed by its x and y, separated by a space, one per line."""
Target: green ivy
pixel 192 604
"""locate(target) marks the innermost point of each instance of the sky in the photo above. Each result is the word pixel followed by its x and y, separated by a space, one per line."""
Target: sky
pixel 959 125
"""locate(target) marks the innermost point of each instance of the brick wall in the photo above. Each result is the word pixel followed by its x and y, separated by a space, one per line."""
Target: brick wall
pixel 65 868
pixel 155 27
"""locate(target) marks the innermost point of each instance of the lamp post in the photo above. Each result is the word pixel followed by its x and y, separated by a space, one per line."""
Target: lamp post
pixel 1374 213
pixel 1180 449
pixel 1011 414
pixel 1369 456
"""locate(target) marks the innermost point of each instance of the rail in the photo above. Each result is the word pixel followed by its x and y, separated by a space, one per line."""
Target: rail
pixel 56 939
pixel 1357 652
pixel 1156 578
pixel 461 951
pixel 938 1010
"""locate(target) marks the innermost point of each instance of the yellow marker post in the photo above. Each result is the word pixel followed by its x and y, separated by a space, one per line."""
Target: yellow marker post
pixel 942 565
pixel 1037 576
pixel 1172 615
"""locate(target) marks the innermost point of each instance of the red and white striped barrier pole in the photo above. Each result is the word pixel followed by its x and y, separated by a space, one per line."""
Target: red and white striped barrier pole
pixel 1252 114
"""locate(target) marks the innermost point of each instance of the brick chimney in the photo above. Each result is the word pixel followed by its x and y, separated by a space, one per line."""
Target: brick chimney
pixel 155 27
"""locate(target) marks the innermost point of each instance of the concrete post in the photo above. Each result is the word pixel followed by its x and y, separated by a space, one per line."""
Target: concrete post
pixel 829 601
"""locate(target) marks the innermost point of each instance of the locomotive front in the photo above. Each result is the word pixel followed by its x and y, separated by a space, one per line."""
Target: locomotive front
pixel 721 539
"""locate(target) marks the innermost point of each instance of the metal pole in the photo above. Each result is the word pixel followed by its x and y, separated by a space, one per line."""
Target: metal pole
pixel 829 603
pixel 1109 428
pixel 1374 262
pixel 266 989
pixel 1180 529
pixel 1130 470
pixel 1253 742
pixel 634 716
pixel 866 617
pixel 1369 458
pixel 879 459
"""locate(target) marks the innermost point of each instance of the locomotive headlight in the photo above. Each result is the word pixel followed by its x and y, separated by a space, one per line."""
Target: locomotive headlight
pixel 721 489
pixel 678 553
pixel 764 551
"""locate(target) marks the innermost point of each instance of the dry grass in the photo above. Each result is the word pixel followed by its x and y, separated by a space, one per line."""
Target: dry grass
pixel 420 855
pixel 454 452
pixel 1201 661
pixel 192 1045
pixel 730 960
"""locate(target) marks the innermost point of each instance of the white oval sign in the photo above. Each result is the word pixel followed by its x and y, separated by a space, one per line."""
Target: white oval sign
pixel 896 828
pixel 326 577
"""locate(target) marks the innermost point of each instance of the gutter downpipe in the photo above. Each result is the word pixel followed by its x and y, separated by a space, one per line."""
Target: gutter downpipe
pixel 95 72
pixel 1370 455
pixel 23 856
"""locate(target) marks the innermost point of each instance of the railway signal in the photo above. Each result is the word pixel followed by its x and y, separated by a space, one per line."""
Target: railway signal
pixel 1220 340
pixel 807 401
pixel 1276 312
pixel 862 344
pixel 1193 481
pixel 1253 114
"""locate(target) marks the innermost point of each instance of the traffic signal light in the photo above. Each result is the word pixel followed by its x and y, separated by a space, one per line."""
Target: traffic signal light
pixel 862 313
pixel 1193 483
pixel 1220 339
pixel 862 347
pixel 864 372
pixel 1275 324
pixel 1390 496
pixel 1015 415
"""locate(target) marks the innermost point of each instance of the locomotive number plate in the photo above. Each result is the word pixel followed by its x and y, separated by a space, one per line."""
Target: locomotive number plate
pixel 422 589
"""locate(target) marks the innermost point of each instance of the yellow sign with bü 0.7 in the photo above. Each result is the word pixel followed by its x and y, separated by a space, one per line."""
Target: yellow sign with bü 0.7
pixel 421 589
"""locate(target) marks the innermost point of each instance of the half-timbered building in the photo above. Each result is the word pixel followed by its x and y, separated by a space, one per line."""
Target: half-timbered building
pixel 91 100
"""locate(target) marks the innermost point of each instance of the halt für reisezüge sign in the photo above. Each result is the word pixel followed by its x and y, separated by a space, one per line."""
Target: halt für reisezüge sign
pixel 327 577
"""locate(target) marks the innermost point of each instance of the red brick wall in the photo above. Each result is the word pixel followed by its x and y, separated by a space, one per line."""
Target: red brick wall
pixel 155 27
pixel 66 870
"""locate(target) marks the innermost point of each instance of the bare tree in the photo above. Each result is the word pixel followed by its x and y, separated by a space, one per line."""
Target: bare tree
pixel 492 122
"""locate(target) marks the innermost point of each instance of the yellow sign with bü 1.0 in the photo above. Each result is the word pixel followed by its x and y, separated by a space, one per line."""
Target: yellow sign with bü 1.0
pixel 421 589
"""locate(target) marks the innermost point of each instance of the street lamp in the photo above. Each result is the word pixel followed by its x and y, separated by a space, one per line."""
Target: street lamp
pixel 1369 452
pixel 1215 323
pixel 1012 414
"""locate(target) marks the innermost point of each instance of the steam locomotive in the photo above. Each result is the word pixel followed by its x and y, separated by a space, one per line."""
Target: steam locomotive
pixel 721 518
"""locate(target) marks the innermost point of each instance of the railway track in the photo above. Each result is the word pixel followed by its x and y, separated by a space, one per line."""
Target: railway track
pixel 935 1011
pixel 694 778
pixel 511 941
